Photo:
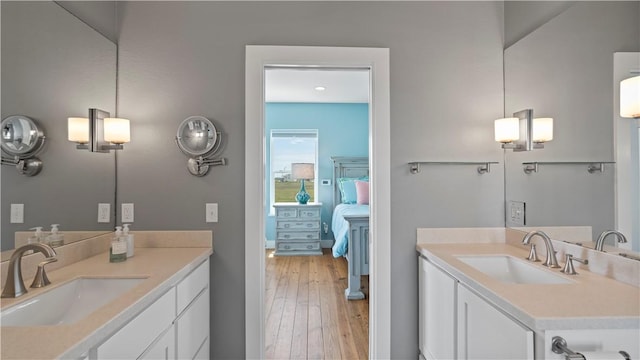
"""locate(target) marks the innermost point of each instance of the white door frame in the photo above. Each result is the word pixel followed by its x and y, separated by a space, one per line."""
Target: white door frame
pixel 377 59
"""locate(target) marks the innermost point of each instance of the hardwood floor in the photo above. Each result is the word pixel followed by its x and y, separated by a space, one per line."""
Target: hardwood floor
pixel 308 316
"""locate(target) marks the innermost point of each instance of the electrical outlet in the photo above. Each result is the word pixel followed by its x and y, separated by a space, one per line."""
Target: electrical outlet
pixel 127 212
pixel 17 213
pixel 104 210
pixel 211 212
pixel 516 214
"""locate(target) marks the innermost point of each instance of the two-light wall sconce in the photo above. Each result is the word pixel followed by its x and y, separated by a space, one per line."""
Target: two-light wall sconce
pixel 522 132
pixel 630 97
pixel 99 132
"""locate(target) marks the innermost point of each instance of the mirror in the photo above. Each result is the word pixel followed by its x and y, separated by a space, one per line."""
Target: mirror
pixel 198 138
pixel 54 66
pixel 574 85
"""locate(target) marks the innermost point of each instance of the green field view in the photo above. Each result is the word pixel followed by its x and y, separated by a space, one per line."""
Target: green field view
pixel 286 191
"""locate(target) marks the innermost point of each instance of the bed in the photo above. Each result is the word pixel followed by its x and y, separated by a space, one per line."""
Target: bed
pixel 350 223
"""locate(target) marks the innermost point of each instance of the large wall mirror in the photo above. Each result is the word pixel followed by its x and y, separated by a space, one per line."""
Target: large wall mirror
pixel 565 70
pixel 54 66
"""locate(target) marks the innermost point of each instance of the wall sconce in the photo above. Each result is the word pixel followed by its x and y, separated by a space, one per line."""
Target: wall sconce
pixel 522 132
pixel 630 97
pixel 99 132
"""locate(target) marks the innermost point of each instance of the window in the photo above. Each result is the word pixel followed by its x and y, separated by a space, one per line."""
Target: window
pixel 287 147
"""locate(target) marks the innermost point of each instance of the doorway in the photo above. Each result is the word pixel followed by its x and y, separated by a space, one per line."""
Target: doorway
pixel 377 60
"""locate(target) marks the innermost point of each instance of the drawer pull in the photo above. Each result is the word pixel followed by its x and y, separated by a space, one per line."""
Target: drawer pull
pixel 310 236
pixel 286 225
pixel 286 236
pixel 287 247
pixel 309 225
pixel 309 247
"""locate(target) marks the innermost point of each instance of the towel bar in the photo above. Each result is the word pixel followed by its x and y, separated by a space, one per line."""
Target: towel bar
pixel 559 346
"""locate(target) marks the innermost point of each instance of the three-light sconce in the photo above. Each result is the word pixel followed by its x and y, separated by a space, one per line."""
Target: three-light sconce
pixel 99 132
pixel 522 132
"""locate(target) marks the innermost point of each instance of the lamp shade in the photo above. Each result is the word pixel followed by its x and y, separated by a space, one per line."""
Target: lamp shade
pixel 302 171
pixel 630 97
pixel 507 130
pixel 116 130
pixel 78 129
pixel 542 130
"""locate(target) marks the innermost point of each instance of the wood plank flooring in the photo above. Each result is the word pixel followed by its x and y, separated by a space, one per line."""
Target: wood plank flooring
pixel 307 314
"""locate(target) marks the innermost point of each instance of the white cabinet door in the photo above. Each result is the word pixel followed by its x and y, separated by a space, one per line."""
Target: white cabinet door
pixel 486 333
pixel 134 338
pixel 163 349
pixel 436 312
pixel 193 329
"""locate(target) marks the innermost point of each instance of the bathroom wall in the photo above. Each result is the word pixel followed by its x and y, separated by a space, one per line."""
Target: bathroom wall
pixel 343 130
pixel 178 59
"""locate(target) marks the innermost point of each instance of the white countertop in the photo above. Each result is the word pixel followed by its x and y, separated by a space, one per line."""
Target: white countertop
pixel 162 268
pixel 591 301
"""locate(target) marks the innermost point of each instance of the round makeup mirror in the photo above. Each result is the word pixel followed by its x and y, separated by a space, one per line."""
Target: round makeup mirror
pixel 22 139
pixel 199 139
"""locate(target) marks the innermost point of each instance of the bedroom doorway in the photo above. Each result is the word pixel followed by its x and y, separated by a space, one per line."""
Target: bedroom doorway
pixel 258 59
pixel 314 118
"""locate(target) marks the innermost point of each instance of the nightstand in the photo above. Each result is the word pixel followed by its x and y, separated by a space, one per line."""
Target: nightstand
pixel 298 229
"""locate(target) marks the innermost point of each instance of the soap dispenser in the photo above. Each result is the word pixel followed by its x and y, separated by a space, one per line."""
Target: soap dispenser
pixel 118 250
pixel 55 239
pixel 129 239
pixel 37 237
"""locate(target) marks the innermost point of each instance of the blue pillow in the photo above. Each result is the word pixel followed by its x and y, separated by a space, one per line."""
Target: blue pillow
pixel 347 188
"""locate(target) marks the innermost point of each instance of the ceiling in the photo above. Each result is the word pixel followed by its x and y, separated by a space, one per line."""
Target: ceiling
pixel 298 85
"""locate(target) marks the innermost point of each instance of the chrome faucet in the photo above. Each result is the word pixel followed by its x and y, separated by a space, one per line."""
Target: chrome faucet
pixel 551 260
pixel 600 241
pixel 14 286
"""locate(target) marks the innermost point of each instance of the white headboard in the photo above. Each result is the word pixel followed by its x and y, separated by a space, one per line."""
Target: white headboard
pixel 347 166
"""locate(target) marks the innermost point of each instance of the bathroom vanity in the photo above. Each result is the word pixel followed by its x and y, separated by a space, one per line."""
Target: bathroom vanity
pixel 485 300
pixel 162 312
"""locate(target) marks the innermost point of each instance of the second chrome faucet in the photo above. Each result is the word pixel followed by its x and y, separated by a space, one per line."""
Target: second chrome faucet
pixel 551 260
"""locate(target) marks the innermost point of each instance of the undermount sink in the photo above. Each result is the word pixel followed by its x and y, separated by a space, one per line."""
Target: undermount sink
pixel 512 270
pixel 67 303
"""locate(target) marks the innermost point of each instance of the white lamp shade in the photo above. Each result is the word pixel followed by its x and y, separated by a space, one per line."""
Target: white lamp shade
pixel 116 130
pixel 302 171
pixel 507 130
pixel 542 130
pixel 630 97
pixel 78 129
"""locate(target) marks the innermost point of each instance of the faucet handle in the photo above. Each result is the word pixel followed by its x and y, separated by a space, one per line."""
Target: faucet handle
pixel 41 279
pixel 533 254
pixel 568 266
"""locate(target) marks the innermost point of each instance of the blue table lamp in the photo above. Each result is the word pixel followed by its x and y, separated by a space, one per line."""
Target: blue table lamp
pixel 302 172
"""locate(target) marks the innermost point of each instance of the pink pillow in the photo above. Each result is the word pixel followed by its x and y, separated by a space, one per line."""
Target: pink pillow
pixel 362 192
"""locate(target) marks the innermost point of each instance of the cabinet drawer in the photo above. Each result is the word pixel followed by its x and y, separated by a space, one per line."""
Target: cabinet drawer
pixel 144 328
pixel 286 213
pixel 191 286
pixel 298 225
pixel 299 235
pixel 193 327
pixel 298 246
pixel 309 213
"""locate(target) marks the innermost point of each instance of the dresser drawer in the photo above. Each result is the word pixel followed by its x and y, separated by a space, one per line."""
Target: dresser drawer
pixel 287 213
pixel 298 225
pixel 299 235
pixel 298 246
pixel 309 213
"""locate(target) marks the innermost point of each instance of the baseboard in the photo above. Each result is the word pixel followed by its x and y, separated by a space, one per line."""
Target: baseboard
pixel 325 244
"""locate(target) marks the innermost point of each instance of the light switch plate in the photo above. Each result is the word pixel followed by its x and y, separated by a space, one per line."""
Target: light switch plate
pixel 104 210
pixel 17 213
pixel 516 214
pixel 127 212
pixel 211 212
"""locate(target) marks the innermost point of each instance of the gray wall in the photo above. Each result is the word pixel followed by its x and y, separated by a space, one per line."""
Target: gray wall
pixel 523 17
pixel 99 15
pixel 179 59
pixel 53 67
pixel 564 70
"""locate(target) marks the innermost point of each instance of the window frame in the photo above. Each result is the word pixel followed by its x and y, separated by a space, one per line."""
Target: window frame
pixel 312 133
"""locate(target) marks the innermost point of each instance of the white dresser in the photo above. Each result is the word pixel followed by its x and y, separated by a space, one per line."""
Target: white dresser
pixel 298 229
